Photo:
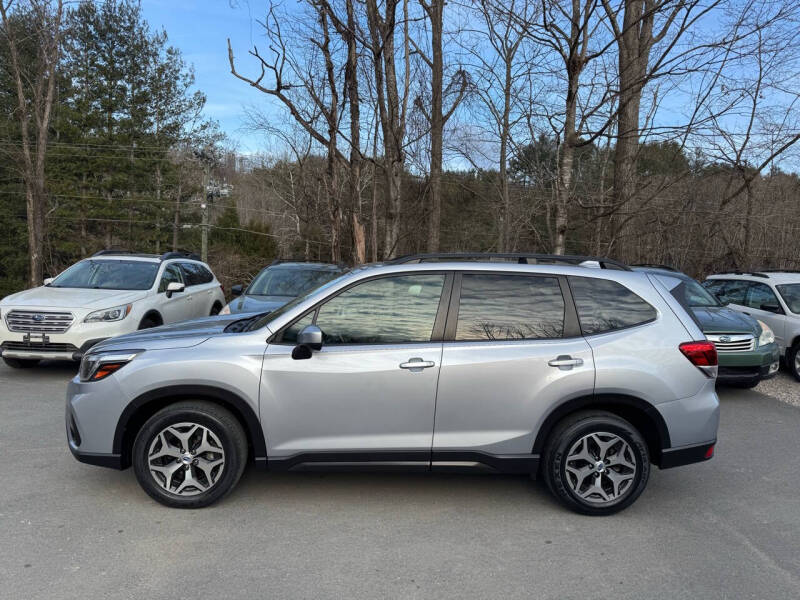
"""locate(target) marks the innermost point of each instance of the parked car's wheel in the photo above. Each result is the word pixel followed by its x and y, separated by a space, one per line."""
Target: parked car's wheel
pixel 793 360
pixel 596 463
pixel 21 363
pixel 190 454
pixel 215 309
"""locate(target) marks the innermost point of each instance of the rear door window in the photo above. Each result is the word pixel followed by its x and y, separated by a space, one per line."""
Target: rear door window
pixel 604 305
pixel 760 295
pixel 509 307
pixel 191 274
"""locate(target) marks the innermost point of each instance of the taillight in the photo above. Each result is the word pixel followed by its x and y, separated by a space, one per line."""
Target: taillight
pixel 702 354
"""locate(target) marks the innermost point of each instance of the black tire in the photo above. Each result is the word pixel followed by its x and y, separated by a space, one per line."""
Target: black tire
pixel 792 361
pixel 149 322
pixel 567 435
pixel 21 363
pixel 215 309
pixel 222 425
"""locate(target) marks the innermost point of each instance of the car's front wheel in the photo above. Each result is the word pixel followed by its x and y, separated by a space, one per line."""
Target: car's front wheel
pixel 190 454
pixel 21 363
pixel 793 360
pixel 596 463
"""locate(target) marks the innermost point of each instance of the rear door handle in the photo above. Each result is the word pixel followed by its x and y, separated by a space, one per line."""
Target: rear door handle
pixel 565 362
pixel 417 364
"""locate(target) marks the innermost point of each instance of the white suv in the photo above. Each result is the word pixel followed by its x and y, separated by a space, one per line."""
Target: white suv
pixel 772 297
pixel 101 297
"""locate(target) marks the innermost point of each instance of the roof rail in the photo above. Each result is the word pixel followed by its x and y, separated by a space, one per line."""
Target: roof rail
pixel 656 266
pixel 107 251
pixel 522 258
pixel 279 261
pixel 780 270
pixel 180 254
pixel 753 273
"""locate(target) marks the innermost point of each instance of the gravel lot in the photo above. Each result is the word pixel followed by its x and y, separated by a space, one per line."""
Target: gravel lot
pixel 728 528
pixel 782 387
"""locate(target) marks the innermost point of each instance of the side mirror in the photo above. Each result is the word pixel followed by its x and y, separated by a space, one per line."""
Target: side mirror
pixel 773 308
pixel 48 280
pixel 236 290
pixel 174 287
pixel 309 338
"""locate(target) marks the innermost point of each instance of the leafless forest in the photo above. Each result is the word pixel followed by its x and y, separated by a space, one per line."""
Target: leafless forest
pixel 659 131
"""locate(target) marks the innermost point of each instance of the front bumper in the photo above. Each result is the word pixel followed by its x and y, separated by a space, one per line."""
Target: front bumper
pixel 92 412
pixel 742 367
pixel 46 351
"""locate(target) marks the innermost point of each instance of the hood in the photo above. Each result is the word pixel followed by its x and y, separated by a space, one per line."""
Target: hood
pixel 249 303
pixel 54 297
pixel 720 319
pixel 176 335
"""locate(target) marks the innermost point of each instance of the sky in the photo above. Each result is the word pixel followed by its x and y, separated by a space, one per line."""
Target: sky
pixel 200 28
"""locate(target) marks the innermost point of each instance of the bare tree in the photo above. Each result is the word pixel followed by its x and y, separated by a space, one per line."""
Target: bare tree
pixel 392 103
pixel 34 85
pixel 437 117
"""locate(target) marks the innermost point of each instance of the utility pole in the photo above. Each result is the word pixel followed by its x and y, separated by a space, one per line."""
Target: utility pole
pixel 204 207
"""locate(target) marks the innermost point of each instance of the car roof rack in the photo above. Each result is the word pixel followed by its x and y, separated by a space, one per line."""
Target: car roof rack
pixel 656 266
pixel 752 273
pixel 780 270
pixel 279 261
pixel 523 258
pixel 121 252
pixel 180 254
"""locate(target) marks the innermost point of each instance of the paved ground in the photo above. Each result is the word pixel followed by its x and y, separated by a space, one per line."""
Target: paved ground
pixel 729 528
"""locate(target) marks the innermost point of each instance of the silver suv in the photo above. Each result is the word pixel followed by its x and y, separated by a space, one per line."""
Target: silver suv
pixel 771 296
pixel 584 376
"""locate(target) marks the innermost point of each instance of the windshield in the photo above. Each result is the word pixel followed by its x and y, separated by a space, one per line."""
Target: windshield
pixel 288 282
pixel 108 275
pixel 791 295
pixel 267 317
pixel 696 295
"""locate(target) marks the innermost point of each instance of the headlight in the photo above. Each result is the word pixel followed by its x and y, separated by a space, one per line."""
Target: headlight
pixel 99 365
pixel 766 337
pixel 109 314
pixel 226 310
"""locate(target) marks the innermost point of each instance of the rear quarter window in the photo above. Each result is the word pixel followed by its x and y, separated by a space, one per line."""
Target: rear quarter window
pixel 604 305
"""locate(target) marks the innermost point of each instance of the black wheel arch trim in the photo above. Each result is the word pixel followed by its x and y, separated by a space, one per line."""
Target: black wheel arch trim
pixel 226 398
pixel 601 402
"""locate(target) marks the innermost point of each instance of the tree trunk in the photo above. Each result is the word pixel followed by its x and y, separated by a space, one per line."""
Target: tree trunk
pixel 435 13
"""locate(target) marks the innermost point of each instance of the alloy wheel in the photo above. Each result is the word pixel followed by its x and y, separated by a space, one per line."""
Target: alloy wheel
pixel 601 468
pixel 186 459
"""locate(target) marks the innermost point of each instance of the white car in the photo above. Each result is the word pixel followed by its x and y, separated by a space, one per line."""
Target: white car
pixel 102 297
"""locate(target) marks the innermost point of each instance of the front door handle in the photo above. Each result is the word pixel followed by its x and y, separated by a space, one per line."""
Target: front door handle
pixel 417 364
pixel 565 362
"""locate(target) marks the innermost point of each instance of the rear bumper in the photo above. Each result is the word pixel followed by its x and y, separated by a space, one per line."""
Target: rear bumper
pixel 686 455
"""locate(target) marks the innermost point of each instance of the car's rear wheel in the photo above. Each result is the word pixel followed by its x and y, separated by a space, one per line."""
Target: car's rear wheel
pixel 596 463
pixel 21 363
pixel 215 309
pixel 190 454
pixel 793 360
